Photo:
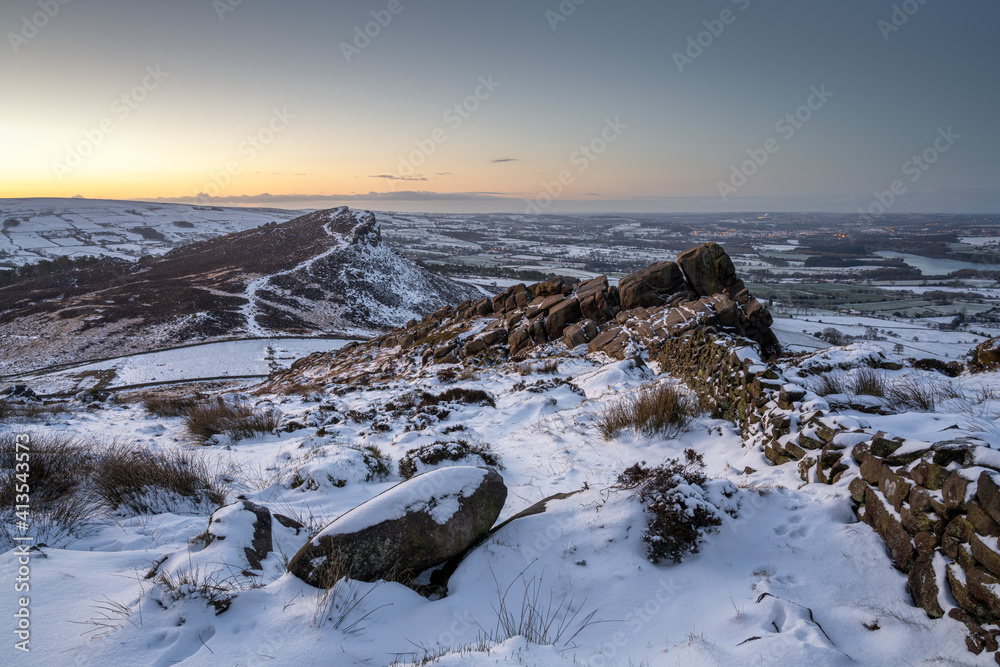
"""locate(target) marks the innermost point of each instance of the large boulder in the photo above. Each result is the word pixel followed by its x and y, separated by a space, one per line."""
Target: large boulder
pixel 710 271
pixel 562 315
pixel 598 301
pixel 652 286
pixel 416 525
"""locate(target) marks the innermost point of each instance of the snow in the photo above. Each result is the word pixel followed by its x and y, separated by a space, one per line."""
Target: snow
pixel 241 358
pixel 445 485
pixel 77 227
pixel 791 579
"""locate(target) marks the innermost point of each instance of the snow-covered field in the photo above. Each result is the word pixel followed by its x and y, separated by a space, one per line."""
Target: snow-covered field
pixel 792 579
pixel 232 359
pixel 919 338
pixel 37 229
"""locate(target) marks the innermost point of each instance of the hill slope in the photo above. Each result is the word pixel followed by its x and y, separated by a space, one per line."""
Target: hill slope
pixel 326 272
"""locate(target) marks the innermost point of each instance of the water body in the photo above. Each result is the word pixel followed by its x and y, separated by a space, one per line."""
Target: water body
pixel 930 266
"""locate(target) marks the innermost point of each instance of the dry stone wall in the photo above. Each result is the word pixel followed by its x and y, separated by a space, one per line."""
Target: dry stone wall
pixel 935 504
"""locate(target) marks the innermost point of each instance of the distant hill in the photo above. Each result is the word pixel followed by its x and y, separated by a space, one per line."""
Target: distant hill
pixel 32 230
pixel 326 272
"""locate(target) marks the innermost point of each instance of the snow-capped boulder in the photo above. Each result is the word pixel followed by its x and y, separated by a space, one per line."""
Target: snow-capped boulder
pixel 413 526
pixel 247 523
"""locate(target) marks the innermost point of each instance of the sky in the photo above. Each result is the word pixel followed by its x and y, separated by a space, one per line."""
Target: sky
pixel 523 105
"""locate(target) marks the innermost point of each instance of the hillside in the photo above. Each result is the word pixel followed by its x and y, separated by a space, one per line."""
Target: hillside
pixel 325 272
pixel 664 487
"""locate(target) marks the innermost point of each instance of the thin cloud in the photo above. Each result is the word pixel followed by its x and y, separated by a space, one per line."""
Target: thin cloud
pixel 506 159
pixel 393 177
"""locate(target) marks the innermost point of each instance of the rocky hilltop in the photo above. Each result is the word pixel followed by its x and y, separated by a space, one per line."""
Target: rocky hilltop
pixel 700 291
pixel 325 272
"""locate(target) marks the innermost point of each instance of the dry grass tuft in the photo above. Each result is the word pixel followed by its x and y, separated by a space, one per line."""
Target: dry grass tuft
pixel 167 406
pixel 655 410
pixel 238 421
pixel 869 382
pixel 134 479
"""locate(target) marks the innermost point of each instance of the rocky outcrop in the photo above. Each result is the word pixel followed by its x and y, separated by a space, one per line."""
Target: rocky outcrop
pixel 987 353
pixel 414 526
pixel 709 270
pixel 646 308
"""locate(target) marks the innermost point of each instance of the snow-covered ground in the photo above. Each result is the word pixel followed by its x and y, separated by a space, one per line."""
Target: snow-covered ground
pixel 919 338
pixel 37 229
pixel 792 579
pixel 242 358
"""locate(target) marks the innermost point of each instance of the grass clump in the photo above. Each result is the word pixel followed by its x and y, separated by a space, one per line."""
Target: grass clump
pixel 547 367
pixel 73 481
pixel 869 382
pixel 912 393
pixel 167 406
pixel 654 410
pixel 456 450
pixel 678 505
pixel 139 479
pixel 237 420
pixel 58 469
pixel 29 411
pixel 829 383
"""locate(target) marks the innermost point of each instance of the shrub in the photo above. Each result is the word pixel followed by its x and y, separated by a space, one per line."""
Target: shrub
pixel 460 395
pixel 437 452
pixel 379 463
pixel 679 508
pixel 13 411
pixel 548 367
pixel 238 421
pixel 167 406
pixel 447 375
pixel 654 410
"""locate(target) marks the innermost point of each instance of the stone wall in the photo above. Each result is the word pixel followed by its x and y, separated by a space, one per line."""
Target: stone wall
pixel 936 505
